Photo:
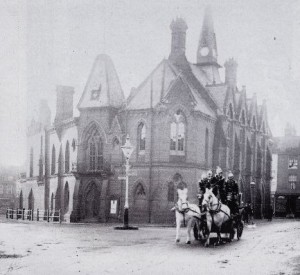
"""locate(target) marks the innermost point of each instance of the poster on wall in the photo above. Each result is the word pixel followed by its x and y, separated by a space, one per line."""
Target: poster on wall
pixel 113 206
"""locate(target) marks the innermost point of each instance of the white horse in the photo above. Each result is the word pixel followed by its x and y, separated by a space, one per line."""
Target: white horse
pixel 186 212
pixel 217 213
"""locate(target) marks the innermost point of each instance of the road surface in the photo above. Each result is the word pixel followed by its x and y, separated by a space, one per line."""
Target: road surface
pixel 41 248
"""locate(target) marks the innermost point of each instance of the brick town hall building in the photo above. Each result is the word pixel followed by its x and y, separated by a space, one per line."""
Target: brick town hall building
pixel 182 119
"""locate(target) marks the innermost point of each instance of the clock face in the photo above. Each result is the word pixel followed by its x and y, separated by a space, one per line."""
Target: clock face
pixel 204 51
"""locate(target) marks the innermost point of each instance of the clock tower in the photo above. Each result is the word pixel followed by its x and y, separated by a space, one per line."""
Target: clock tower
pixel 207 53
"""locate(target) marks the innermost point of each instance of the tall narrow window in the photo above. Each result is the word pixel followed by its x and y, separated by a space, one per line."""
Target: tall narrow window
pixel 67 158
pixel 53 161
pixel 142 137
pixel 31 163
pixel 41 160
pixel 92 149
pixel 99 154
pixel 254 123
pixel 206 145
pixel 230 111
pixel 177 134
pixel 95 153
pixel 292 181
pixel 243 119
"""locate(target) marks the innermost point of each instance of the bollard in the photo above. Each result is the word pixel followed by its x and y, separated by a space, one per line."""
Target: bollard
pixel 32 214
pixel 37 215
pixel 7 213
pixel 23 212
pixel 12 214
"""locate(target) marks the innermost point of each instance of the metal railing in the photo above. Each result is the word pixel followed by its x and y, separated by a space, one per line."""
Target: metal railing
pixel 31 215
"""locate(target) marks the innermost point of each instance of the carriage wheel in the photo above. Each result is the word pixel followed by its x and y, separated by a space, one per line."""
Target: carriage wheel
pixel 240 228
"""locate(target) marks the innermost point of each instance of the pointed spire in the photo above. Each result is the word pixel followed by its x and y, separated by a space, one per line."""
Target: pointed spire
pixel 207 48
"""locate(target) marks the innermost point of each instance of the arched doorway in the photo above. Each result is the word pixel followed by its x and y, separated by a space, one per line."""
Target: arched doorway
pixel 91 202
pixel 66 197
pixel 140 205
pixel 31 200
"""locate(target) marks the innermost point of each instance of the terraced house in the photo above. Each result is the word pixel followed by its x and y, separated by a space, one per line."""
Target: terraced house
pixel 182 120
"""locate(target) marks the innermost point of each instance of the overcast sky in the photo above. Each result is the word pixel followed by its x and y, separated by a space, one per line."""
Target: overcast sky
pixel 45 43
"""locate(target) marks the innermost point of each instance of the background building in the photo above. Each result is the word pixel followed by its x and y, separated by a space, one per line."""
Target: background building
pixel 183 120
pixel 287 194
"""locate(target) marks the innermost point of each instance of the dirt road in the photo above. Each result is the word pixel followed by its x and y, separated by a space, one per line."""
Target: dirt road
pixel 41 248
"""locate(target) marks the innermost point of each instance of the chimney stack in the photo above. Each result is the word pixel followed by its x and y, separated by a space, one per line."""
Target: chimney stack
pixel 230 72
pixel 178 28
pixel 64 103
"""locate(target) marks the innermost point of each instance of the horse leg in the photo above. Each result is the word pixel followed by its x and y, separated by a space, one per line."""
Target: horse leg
pixel 219 236
pixel 178 222
pixel 190 225
pixel 209 225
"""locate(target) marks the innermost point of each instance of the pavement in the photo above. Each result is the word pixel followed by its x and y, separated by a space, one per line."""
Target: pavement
pixel 46 248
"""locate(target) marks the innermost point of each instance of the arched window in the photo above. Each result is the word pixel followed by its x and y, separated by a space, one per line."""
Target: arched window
pixel 230 111
pixel 21 200
pixel 73 144
pixel 254 123
pixel 206 145
pixel 141 137
pixel 177 134
pixel 230 130
pixel 53 161
pixel 52 202
pixel 243 118
pixel 31 200
pixel 31 163
pixel 140 191
pixel 67 158
pixel 95 153
pixel 171 192
pixel 66 197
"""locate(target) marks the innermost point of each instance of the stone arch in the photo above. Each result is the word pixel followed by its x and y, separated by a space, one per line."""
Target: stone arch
pixel 90 128
pixel 66 197
pixel 31 200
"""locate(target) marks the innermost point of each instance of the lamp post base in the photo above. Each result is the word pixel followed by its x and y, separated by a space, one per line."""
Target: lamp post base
pixel 126 223
pixel 126 228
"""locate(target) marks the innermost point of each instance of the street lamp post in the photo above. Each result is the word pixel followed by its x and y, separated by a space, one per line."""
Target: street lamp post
pixel 127 150
pixel 252 186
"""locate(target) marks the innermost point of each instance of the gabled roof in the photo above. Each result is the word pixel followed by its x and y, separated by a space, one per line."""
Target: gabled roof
pixel 154 87
pixel 159 83
pixel 219 94
pixel 103 87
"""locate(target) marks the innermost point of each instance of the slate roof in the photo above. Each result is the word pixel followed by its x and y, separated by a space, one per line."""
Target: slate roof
pixel 159 83
pixel 103 87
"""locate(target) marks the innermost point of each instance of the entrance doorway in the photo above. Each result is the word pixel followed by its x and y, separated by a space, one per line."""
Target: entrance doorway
pixel 92 203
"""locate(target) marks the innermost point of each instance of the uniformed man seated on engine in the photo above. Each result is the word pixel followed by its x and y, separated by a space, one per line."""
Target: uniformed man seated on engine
pixel 202 185
pixel 218 185
pixel 232 193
